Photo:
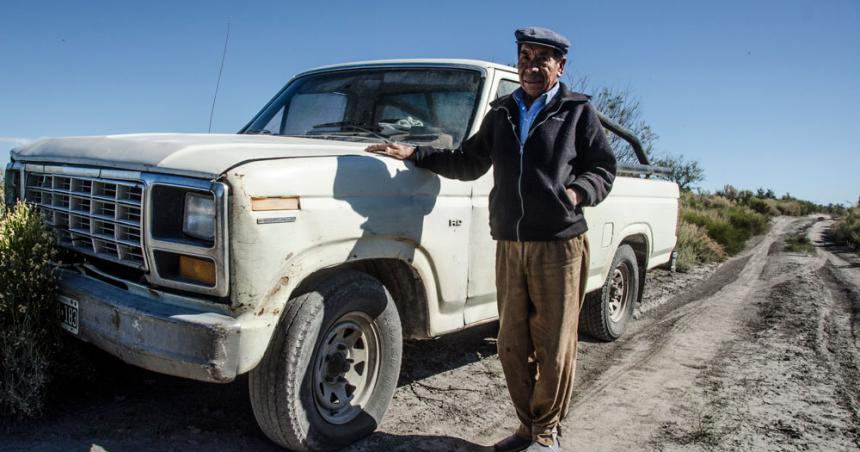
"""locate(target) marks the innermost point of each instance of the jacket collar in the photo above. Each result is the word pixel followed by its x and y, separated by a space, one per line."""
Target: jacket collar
pixel 564 95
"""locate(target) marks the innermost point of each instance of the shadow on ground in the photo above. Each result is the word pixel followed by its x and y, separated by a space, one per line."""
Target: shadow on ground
pixel 846 253
pixel 121 407
pixel 422 359
pixel 416 443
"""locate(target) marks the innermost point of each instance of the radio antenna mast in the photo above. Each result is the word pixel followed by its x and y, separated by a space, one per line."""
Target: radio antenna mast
pixel 220 71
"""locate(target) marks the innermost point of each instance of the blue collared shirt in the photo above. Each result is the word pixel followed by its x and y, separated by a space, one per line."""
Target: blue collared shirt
pixel 528 114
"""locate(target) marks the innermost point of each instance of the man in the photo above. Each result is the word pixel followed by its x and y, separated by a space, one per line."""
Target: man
pixel 550 158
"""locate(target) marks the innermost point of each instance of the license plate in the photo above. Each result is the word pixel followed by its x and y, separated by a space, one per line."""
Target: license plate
pixel 67 311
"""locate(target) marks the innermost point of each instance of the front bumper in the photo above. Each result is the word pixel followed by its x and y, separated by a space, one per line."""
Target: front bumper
pixel 153 330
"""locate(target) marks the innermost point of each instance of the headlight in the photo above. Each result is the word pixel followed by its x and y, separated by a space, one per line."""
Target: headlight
pixel 199 218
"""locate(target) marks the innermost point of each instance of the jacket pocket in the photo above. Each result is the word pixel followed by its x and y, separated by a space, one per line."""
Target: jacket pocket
pixel 565 200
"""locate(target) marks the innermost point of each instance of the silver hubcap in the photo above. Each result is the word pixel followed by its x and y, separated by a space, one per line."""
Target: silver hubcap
pixel 346 368
pixel 618 291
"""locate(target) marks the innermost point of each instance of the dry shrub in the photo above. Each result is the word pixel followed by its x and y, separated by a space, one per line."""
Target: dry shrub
pixel 790 208
pixel 797 207
pixel 725 223
pixel 730 226
pixel 846 230
pixel 695 247
pixel 765 206
pixel 28 325
pixel 717 202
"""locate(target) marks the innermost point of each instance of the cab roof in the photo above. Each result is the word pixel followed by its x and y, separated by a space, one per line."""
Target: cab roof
pixel 416 62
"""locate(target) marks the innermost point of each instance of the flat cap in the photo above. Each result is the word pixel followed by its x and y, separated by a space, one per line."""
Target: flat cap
pixel 542 36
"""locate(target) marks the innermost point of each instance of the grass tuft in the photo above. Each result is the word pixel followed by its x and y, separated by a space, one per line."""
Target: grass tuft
pixel 798 243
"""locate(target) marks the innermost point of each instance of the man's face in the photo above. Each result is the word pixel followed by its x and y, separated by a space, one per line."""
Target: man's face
pixel 539 68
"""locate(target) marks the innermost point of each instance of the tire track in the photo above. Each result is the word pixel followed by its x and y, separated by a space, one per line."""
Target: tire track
pixel 786 382
pixel 629 400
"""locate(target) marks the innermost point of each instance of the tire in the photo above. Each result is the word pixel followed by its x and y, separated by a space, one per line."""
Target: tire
pixel 605 312
pixel 306 394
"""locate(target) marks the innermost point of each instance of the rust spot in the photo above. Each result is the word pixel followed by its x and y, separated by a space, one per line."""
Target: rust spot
pixel 272 292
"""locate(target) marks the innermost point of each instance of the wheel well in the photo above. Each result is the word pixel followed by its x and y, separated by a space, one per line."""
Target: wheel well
pixel 639 243
pixel 403 283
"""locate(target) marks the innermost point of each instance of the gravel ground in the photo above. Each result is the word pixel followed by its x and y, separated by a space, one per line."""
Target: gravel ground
pixel 758 353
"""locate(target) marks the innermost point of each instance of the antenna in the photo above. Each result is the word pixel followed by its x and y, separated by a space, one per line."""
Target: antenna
pixel 220 71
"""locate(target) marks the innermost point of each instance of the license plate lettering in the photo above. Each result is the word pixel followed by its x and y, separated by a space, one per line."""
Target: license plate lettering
pixel 67 311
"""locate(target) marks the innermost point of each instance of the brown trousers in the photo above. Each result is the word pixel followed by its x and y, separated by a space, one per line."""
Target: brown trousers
pixel 540 290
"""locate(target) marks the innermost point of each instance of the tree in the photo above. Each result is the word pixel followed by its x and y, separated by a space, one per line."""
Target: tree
pixel 683 172
pixel 729 191
pixel 744 196
pixel 768 194
pixel 624 108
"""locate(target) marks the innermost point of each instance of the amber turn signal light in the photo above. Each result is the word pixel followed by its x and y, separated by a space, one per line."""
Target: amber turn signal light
pixel 275 203
pixel 198 270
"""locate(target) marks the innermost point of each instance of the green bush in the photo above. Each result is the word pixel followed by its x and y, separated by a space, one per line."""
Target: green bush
pixel 764 206
pixel 730 217
pixel 696 247
pixel 747 220
pixel 790 208
pixel 28 326
pixel 846 230
pixel 716 202
pixel 729 226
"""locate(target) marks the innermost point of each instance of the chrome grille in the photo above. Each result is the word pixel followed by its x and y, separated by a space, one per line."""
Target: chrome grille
pixel 94 216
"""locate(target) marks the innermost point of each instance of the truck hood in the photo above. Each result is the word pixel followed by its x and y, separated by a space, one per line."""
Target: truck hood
pixel 194 155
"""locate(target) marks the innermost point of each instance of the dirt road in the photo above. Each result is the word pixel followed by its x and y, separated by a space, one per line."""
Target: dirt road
pixel 760 353
pixel 767 362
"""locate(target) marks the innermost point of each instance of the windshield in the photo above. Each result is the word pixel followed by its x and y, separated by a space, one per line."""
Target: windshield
pixel 420 106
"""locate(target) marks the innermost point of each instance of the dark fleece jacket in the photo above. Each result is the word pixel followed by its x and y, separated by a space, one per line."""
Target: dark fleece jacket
pixel 565 148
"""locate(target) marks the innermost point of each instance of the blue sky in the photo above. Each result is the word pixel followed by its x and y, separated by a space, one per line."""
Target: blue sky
pixel 762 94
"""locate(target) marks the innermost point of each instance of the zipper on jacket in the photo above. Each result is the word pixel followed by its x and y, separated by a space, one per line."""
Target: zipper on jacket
pixel 520 190
pixel 522 149
pixel 520 176
pixel 522 152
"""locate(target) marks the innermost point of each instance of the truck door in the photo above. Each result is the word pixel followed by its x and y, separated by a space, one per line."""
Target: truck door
pixel 481 292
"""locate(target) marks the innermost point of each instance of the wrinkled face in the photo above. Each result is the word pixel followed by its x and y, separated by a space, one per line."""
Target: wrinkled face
pixel 539 68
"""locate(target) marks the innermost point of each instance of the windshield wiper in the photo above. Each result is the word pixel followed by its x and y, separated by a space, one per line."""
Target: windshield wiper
pixel 258 132
pixel 351 126
pixel 326 136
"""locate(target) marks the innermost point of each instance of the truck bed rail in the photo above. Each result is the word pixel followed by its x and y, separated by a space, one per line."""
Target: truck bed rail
pixel 644 168
pixel 633 169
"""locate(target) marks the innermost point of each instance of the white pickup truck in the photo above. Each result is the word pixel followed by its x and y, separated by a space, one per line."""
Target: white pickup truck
pixel 288 252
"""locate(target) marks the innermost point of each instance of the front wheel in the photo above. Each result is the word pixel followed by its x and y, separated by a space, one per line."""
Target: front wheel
pixel 332 366
pixel 605 312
